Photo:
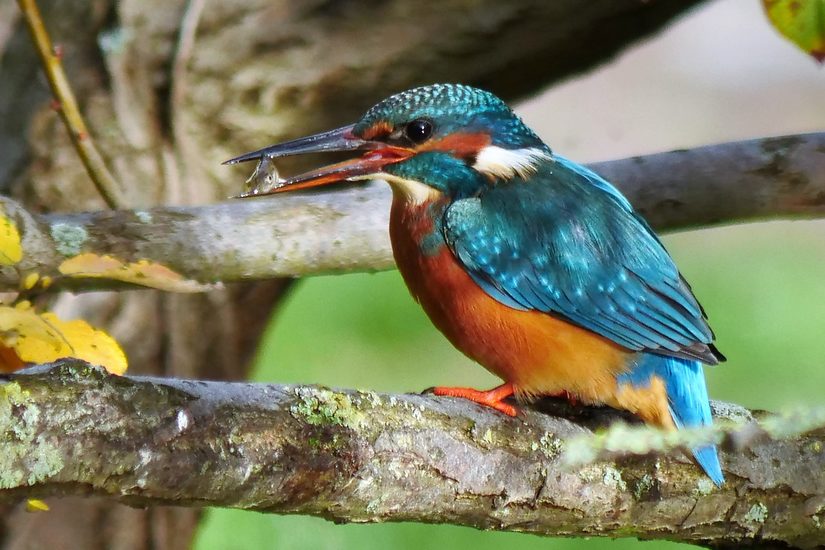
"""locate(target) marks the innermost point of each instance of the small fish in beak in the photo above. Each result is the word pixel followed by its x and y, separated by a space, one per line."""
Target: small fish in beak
pixel 266 181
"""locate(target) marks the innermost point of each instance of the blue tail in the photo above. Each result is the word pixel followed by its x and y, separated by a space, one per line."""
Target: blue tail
pixel 688 397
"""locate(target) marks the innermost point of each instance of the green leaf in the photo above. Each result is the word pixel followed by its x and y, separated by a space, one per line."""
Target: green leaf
pixel 800 21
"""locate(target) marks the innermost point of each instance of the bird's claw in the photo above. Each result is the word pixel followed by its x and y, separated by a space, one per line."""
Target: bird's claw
pixel 493 398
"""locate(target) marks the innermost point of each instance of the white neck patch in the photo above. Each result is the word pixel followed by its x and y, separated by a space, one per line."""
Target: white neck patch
pixel 507 163
pixel 413 192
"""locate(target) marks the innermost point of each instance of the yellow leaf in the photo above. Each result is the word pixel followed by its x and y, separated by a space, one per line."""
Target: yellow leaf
pixel 30 280
pixel 36 505
pixel 800 21
pixel 142 272
pixel 11 251
pixel 30 337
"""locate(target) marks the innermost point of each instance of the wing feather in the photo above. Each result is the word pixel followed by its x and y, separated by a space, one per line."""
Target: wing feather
pixel 568 244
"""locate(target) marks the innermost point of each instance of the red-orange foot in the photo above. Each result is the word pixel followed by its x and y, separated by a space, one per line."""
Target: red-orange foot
pixel 493 398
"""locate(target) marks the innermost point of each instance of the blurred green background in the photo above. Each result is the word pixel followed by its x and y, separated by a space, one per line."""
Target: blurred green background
pixel 719 74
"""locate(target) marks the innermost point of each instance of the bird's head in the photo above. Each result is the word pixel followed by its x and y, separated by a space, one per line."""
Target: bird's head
pixel 445 138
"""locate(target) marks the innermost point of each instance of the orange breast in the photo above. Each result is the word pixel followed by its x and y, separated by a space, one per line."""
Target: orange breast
pixel 540 354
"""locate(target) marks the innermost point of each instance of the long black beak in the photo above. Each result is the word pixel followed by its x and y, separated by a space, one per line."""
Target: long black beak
pixel 340 139
pixel 378 155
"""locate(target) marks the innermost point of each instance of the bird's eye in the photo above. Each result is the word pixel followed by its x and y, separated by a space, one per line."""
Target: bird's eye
pixel 419 130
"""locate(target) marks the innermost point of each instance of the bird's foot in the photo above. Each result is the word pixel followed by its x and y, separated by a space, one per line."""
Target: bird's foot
pixel 493 398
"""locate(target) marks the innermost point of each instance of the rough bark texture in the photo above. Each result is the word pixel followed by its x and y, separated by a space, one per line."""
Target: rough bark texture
pixel 296 235
pixel 360 456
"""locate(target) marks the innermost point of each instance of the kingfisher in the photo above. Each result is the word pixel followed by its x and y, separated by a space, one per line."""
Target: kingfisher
pixel 532 265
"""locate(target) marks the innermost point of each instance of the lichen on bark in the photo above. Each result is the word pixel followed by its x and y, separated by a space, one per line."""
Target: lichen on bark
pixel 366 457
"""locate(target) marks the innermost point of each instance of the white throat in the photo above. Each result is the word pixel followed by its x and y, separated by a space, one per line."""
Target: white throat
pixel 411 191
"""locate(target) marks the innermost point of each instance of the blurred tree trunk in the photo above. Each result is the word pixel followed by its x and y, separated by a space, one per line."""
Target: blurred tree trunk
pixel 247 73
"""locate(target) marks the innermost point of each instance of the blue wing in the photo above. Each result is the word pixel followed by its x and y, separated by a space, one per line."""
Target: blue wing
pixel 566 242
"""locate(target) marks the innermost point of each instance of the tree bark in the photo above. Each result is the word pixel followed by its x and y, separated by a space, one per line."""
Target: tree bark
pixel 73 429
pixel 306 234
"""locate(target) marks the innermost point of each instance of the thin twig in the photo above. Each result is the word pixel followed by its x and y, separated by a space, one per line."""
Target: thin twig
pixel 50 57
pixel 185 177
pixel 183 52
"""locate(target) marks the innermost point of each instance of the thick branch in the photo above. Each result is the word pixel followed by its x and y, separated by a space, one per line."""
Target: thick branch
pixel 347 231
pixel 361 456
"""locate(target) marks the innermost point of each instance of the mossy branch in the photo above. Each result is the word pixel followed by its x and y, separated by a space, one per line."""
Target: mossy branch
pixel 344 455
pixel 738 431
pixel 191 249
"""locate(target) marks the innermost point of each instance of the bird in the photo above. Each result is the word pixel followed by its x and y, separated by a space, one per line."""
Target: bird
pixel 532 265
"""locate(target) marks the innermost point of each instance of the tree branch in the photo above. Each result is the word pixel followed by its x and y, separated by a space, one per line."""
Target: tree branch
pixel 310 233
pixel 70 428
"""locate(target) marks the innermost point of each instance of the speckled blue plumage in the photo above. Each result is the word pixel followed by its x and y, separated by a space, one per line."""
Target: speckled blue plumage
pixel 563 241
pixel 454 108
pixel 566 242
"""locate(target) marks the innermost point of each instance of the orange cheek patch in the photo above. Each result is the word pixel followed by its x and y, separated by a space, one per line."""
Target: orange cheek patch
pixel 379 129
pixel 460 144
